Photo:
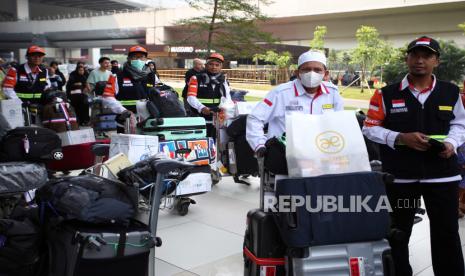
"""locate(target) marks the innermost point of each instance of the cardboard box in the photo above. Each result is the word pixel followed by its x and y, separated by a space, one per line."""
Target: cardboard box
pixel 76 137
pixel 195 183
pixel 135 147
pixel 12 111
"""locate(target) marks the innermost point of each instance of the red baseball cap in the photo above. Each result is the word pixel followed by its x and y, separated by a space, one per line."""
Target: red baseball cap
pixel 137 49
pixel 35 49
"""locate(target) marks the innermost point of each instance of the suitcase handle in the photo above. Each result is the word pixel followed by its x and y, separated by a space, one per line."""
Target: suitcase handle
pixel 184 132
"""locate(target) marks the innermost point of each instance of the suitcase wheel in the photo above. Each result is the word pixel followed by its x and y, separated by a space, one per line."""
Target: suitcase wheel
pixel 183 206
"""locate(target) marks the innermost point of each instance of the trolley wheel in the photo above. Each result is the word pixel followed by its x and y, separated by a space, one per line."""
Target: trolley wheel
pixel 216 177
pixel 183 208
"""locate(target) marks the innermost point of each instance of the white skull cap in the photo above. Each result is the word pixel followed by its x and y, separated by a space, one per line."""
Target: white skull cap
pixel 311 56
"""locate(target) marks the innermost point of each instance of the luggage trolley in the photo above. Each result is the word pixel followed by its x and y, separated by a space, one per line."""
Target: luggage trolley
pixel 170 170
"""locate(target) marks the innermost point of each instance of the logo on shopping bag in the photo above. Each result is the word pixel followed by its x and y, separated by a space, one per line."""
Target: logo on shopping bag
pixel 330 142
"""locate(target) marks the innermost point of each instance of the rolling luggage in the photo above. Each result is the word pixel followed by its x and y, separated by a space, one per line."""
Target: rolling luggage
pixel 176 128
pixel 105 122
pixel 59 116
pixel 264 250
pixel 34 144
pixel 346 221
pixel 354 259
pixel 20 177
pixel 77 249
pixel 76 157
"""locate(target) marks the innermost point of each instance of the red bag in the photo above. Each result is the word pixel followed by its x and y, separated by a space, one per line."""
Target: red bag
pixel 59 116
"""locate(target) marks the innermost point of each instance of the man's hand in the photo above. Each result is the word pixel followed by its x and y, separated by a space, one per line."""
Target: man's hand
pixel 206 111
pixel 415 140
pixel 261 152
pixel 448 152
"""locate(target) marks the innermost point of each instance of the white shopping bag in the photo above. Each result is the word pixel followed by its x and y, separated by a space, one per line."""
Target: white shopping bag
pixel 135 147
pixel 330 143
pixel 142 111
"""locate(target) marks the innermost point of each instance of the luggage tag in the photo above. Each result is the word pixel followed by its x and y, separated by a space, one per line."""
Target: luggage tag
pixel 26 144
pixel 2 241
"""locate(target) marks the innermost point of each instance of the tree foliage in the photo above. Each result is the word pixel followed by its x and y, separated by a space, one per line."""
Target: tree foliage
pixel 452 62
pixel 318 41
pixel 282 60
pixel 371 50
pixel 230 27
pixel 462 27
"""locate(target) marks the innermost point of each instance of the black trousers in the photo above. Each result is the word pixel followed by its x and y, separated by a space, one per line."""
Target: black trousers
pixel 80 103
pixel 441 204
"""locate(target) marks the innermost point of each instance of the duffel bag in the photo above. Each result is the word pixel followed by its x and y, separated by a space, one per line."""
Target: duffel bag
pixel 167 102
pixel 89 198
pixel 275 157
pixel 20 242
pixel 34 144
pixel 338 208
pixel 18 177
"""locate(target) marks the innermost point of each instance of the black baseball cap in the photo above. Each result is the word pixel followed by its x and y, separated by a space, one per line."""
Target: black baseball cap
pixel 425 42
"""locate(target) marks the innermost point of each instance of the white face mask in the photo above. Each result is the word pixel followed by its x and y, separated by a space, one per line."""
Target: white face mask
pixel 311 79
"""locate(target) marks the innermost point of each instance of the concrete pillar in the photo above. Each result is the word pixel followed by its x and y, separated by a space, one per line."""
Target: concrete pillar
pixel 22 10
pixel 155 35
pixel 94 55
pixel 22 55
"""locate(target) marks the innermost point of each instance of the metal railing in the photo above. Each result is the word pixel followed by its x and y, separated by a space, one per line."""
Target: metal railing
pixel 252 76
pixel 92 14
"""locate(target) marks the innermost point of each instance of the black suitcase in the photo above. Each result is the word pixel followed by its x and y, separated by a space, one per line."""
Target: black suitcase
pixel 33 144
pixel 303 227
pixel 264 250
pixel 242 156
pixel 77 249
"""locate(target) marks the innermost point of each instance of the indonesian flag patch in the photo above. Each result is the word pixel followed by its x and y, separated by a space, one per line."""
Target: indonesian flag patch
pixel 423 41
pixel 398 103
pixel 126 80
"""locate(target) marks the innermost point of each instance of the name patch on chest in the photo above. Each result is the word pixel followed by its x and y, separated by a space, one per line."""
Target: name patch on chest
pixel 294 108
pixel 399 110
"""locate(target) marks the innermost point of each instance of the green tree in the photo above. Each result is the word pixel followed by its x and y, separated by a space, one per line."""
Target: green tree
pixel 333 59
pixel 282 60
pixel 452 62
pixel 371 51
pixel 396 68
pixel 462 26
pixel 230 27
pixel 318 42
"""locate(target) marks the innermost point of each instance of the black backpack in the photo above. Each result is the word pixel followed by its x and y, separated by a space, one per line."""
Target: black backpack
pixel 167 102
pixel 20 243
pixel 34 144
pixel 88 198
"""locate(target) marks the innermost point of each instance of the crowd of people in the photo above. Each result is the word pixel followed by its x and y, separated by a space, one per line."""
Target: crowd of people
pixel 402 118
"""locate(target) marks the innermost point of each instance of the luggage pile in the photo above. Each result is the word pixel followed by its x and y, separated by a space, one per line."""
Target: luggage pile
pixel 307 239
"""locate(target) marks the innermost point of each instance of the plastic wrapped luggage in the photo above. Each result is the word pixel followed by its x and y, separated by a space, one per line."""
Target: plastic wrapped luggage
pixel 59 116
pixel 78 249
pixel 33 144
pixel 364 258
pixel 88 198
pixel 176 128
pixel 18 177
pixel 76 157
pixel 167 101
pixel 355 223
pixel 105 122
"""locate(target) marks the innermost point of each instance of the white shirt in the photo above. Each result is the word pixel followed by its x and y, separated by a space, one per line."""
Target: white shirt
pixel 456 135
pixel 283 100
